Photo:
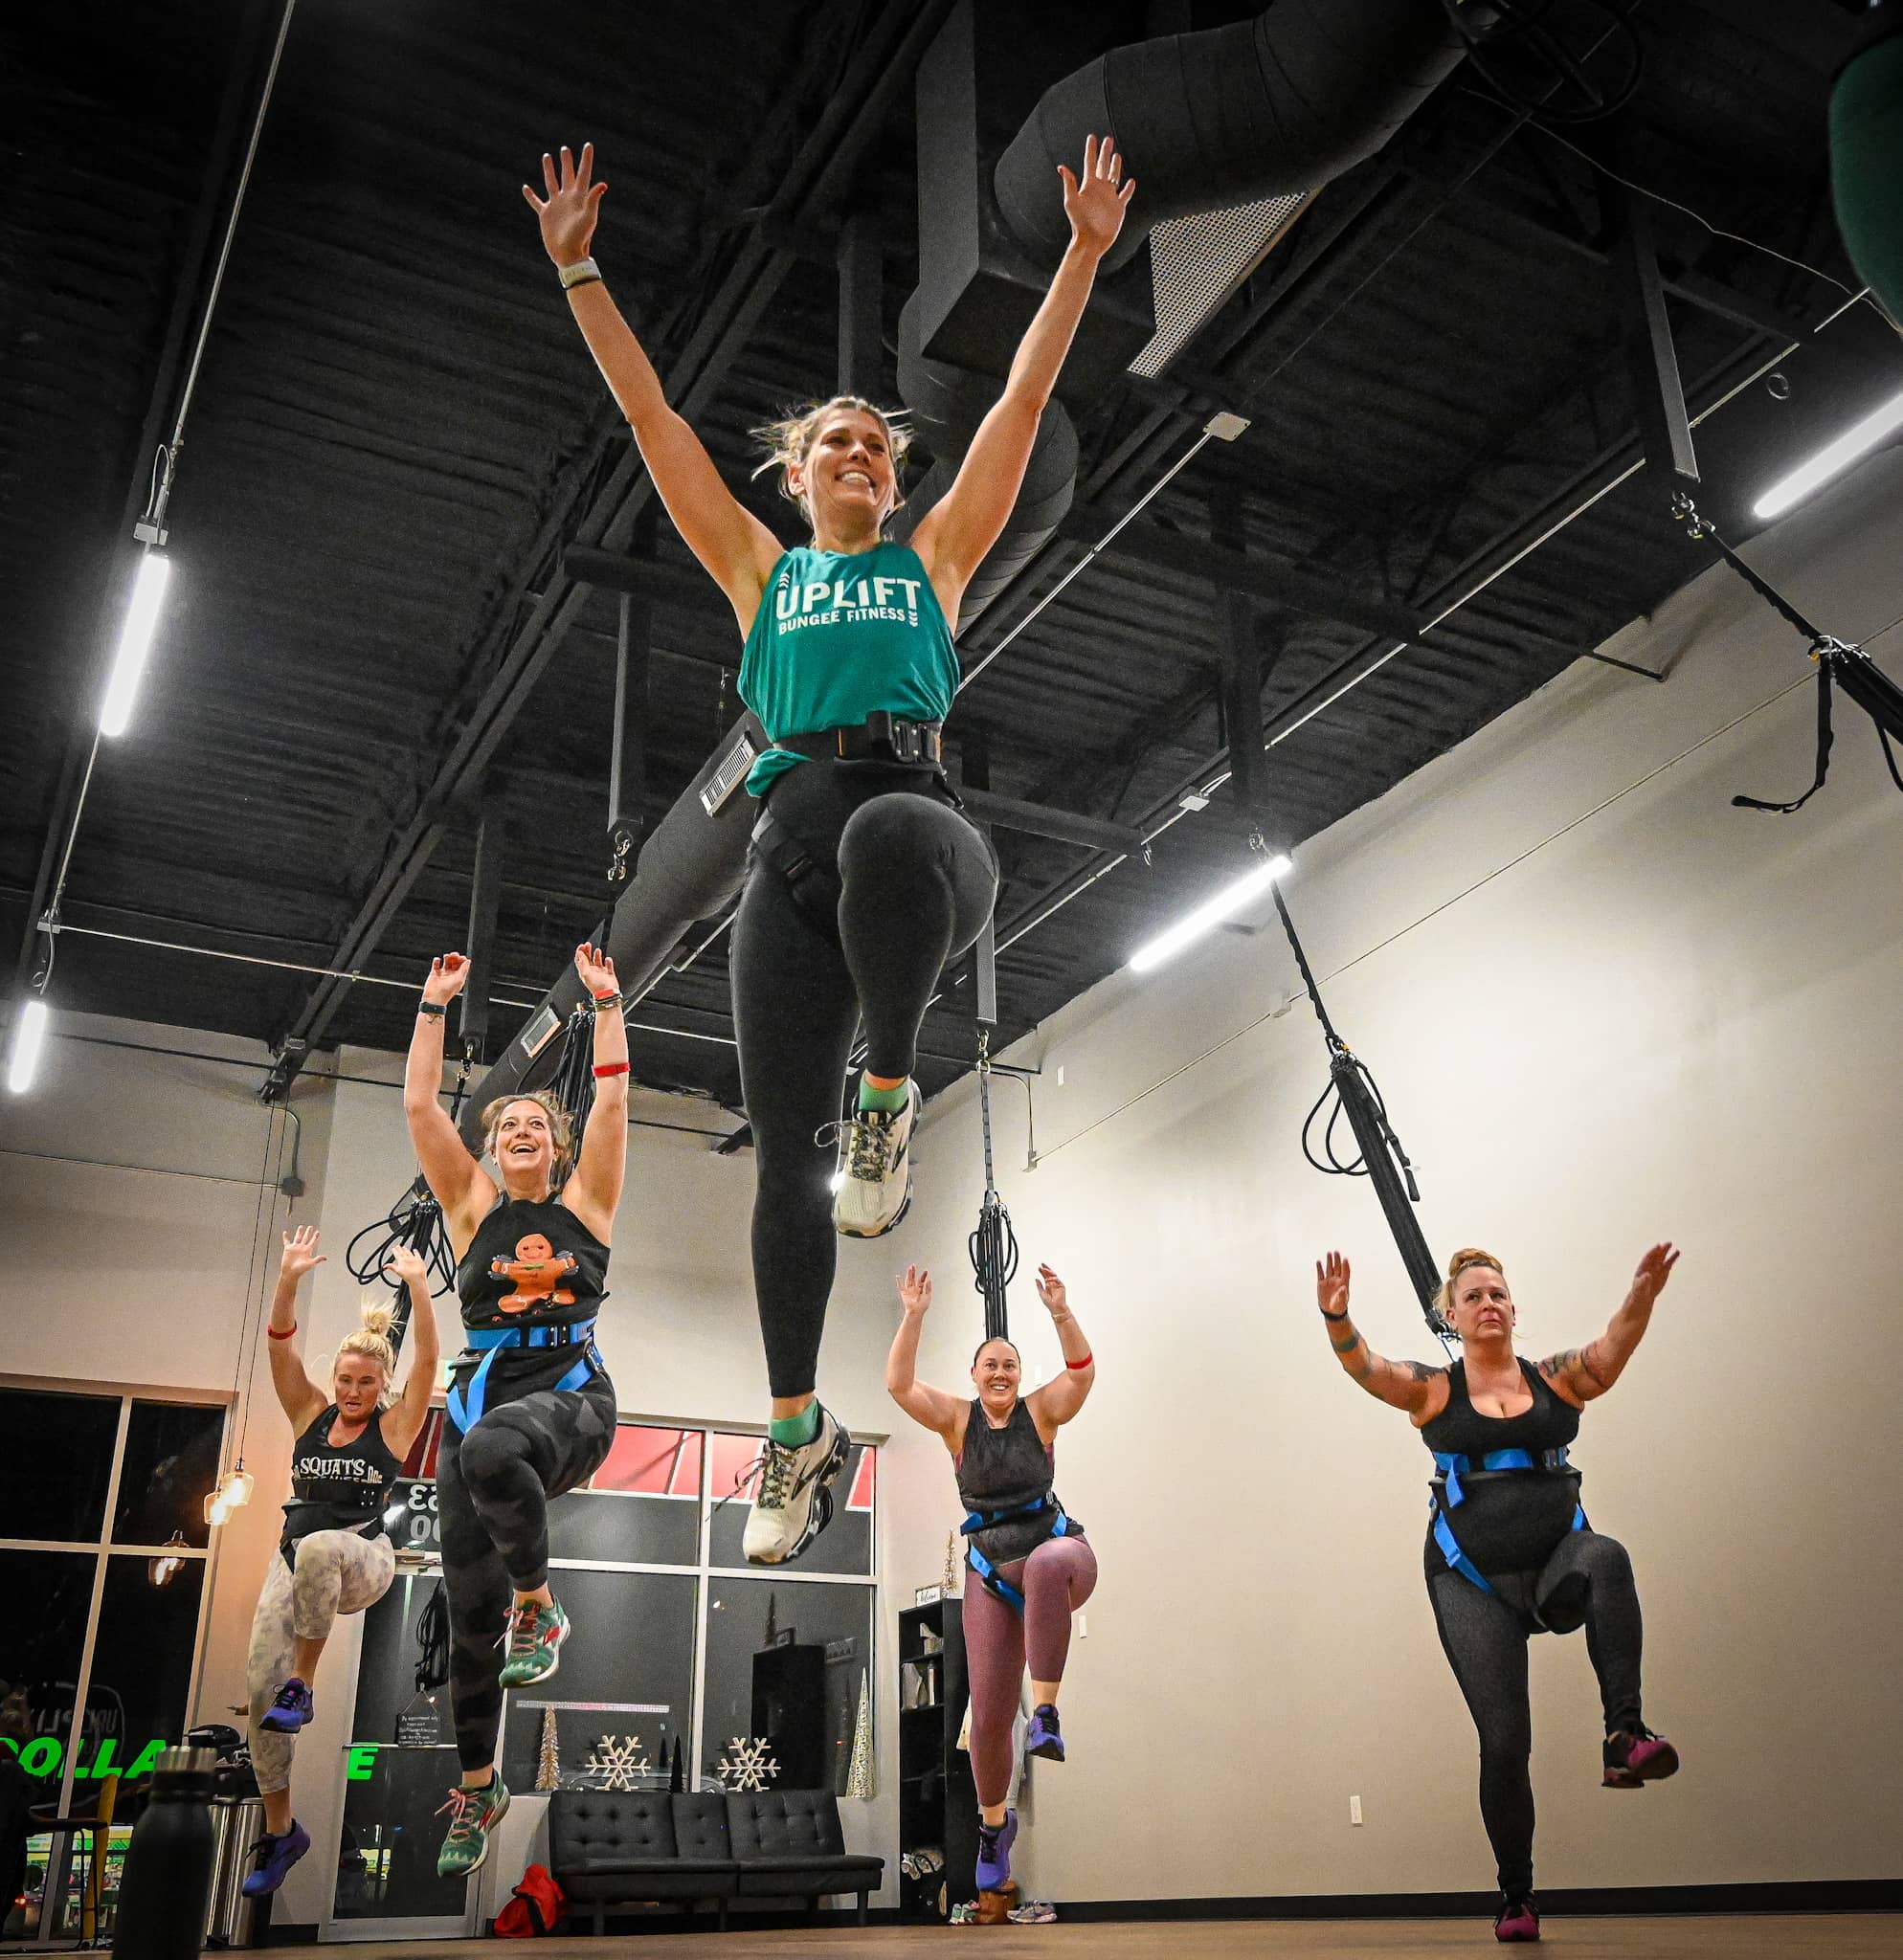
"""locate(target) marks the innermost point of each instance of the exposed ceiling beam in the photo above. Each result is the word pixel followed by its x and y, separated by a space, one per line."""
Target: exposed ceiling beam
pixel 883 62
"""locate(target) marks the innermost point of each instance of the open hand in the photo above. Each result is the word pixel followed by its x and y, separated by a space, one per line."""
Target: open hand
pixel 301 1253
pixel 1654 1270
pixel 1051 1291
pixel 408 1264
pixel 915 1289
pixel 567 215
pixel 448 976
pixel 1093 203
pixel 1331 1284
pixel 597 968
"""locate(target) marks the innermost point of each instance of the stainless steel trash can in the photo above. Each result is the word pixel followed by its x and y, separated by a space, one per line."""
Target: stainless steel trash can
pixel 237 1823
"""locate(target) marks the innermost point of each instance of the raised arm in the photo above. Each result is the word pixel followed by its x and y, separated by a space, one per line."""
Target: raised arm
pixel 404 1422
pixel 955 535
pixel 456 1181
pixel 738 551
pixel 1063 1395
pixel 595 1189
pixel 299 1398
pixel 931 1408
pixel 1581 1374
pixel 1410 1385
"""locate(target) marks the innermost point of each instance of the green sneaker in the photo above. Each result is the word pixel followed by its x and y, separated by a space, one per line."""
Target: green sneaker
pixel 536 1632
pixel 473 1815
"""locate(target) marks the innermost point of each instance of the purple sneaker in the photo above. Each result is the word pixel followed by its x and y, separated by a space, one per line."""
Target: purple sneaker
pixel 290 1711
pixel 1043 1738
pixel 276 1856
pixel 995 1842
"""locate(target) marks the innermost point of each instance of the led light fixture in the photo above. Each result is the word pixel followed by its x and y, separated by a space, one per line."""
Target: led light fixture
pixel 1855 441
pixel 1226 903
pixel 30 1026
pixel 135 642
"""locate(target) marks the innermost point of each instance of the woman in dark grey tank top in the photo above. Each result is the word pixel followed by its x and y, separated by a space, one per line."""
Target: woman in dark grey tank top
pixel 1031 1566
pixel 1509 1550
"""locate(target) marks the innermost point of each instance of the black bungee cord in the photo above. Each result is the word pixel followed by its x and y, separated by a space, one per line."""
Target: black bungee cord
pixel 992 1245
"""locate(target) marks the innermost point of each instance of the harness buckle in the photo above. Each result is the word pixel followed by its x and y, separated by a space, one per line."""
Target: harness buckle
pixel 904 740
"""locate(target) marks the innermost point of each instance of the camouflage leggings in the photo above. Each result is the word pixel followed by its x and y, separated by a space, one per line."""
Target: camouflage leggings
pixel 493 1488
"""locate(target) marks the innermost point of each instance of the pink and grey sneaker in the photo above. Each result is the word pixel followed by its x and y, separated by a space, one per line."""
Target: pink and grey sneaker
pixel 290 1711
pixel 1043 1738
pixel 1517 1919
pixel 995 1842
pixel 1635 1757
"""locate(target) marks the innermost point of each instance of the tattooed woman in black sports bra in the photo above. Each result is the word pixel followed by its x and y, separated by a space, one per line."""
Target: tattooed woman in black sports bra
pixel 1509 1550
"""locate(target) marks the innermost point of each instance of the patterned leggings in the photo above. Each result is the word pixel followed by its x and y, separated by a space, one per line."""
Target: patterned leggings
pixel 337 1572
pixel 493 1488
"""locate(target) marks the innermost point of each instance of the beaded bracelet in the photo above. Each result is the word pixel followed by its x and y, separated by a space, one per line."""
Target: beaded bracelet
pixel 604 1001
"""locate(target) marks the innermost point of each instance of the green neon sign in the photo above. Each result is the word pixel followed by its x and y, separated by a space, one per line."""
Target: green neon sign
pixel 360 1762
pixel 44 1755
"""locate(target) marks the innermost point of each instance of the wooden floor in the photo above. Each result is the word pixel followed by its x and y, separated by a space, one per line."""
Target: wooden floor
pixel 1842 1936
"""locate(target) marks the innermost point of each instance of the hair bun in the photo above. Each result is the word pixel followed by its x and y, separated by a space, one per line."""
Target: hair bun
pixel 379 1319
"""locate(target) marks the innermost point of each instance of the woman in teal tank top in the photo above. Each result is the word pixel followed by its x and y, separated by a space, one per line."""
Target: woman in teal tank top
pixel 865 879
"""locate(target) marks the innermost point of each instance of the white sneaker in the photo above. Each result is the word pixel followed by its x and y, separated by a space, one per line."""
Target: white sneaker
pixel 878 1183
pixel 792 1501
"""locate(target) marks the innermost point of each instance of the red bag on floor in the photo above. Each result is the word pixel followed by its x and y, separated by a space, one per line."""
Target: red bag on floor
pixel 534 1907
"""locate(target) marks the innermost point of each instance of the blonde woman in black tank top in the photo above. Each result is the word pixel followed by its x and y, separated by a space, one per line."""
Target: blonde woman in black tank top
pixel 1509 1552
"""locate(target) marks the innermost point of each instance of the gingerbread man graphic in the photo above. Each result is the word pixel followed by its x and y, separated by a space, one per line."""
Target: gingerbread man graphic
pixel 537 1272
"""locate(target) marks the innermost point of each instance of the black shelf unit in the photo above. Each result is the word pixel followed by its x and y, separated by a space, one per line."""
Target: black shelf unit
pixel 938 1808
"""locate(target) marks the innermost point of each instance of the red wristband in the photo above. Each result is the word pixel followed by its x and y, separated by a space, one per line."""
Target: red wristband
pixel 611 993
pixel 611 1068
pixel 285 1335
pixel 1085 1363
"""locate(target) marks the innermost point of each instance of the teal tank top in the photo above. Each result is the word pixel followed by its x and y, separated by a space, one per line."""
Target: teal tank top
pixel 841 635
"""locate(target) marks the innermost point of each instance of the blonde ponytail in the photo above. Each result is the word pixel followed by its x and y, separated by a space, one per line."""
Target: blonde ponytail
pixel 373 1341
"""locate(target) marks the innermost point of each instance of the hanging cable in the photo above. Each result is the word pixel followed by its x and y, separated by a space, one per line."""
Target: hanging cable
pixel 573 1084
pixel 1529 65
pixel 1840 663
pixel 433 1642
pixel 992 1245
pixel 1378 1155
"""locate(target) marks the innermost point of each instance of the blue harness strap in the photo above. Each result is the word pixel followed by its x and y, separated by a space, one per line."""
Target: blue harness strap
pixel 466 1406
pixel 983 1520
pixel 1450 1465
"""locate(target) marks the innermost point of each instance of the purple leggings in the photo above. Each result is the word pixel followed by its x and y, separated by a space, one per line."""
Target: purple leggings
pixel 1055 1580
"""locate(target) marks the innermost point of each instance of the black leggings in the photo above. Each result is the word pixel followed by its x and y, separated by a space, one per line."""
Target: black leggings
pixel 1587 1581
pixel 493 1488
pixel 918 884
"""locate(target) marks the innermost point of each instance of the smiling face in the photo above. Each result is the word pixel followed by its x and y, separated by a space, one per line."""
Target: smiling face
pixel 996 1374
pixel 357 1382
pixel 1482 1307
pixel 847 479
pixel 524 1147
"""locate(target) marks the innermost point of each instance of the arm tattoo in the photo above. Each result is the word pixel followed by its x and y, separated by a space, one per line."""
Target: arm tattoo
pixel 1345 1342
pixel 1420 1369
pixel 1574 1361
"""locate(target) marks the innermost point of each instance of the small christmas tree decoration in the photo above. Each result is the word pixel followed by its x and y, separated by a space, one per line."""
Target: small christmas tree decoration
pixel 859 1777
pixel 548 1758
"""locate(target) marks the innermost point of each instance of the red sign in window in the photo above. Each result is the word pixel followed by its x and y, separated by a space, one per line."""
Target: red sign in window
pixel 652 1463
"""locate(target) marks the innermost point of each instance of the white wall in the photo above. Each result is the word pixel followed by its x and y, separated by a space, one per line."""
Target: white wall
pixel 1604 1007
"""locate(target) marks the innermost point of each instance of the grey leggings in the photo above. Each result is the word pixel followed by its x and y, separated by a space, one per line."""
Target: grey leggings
pixel 918 884
pixel 1587 1581
pixel 493 1488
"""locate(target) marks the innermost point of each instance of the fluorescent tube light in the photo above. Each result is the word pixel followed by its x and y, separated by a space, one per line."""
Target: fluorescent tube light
pixel 135 642
pixel 1230 900
pixel 1855 441
pixel 29 1036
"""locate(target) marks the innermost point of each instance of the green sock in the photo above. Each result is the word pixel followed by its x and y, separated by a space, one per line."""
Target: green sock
pixel 893 1100
pixel 796 1431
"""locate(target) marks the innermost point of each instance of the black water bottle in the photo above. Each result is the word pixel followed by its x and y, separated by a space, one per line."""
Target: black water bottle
pixel 167 1876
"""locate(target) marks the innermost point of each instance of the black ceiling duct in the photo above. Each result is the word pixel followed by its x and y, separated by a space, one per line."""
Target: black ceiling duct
pixel 1262 108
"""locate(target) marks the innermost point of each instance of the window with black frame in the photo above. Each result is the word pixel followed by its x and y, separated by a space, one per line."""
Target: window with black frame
pixel 102 1549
